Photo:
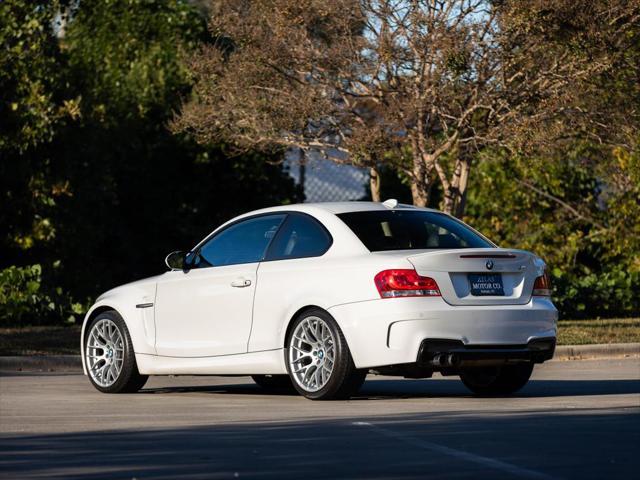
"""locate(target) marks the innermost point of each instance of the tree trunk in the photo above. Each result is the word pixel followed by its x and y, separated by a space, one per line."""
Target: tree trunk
pixel 462 189
pixel 419 193
pixel 455 190
pixel 302 163
pixel 419 182
pixel 449 201
pixel 374 181
pixel 449 187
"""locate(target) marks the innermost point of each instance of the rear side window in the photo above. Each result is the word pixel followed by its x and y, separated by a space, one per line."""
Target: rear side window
pixel 411 230
pixel 300 236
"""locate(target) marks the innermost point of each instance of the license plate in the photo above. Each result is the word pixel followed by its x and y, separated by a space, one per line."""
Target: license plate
pixel 483 284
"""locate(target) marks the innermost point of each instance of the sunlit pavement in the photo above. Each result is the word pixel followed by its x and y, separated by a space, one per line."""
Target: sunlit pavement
pixel 578 419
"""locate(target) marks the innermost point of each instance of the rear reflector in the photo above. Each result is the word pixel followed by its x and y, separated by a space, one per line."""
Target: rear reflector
pixel 405 283
pixel 542 286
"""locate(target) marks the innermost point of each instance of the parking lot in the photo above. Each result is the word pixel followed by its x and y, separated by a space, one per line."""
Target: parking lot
pixel 575 419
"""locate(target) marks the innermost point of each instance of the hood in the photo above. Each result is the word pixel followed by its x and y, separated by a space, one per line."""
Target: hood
pixel 143 287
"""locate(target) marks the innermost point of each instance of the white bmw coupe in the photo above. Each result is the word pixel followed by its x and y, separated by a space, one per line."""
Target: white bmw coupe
pixel 315 296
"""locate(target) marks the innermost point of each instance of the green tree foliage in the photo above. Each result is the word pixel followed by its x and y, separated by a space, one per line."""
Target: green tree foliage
pixel 103 191
pixel 29 101
pixel 583 220
pixel 20 293
pixel 575 199
pixel 125 57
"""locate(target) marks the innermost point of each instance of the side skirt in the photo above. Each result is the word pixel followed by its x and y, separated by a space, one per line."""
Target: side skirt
pixel 253 363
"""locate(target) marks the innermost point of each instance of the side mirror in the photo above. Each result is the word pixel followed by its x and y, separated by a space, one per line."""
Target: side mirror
pixel 176 260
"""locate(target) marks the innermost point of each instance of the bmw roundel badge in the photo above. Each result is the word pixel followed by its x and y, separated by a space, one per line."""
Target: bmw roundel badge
pixel 489 264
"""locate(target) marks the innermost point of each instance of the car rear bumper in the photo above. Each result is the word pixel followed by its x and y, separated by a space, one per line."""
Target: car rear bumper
pixel 392 331
pixel 444 354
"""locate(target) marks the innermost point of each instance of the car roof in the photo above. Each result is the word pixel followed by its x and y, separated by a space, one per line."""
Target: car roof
pixel 323 210
pixel 340 207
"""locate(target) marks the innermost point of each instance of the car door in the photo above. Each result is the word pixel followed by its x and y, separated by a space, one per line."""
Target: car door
pixel 206 310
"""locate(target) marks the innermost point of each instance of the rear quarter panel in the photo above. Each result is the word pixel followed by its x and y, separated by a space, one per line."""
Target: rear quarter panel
pixel 344 274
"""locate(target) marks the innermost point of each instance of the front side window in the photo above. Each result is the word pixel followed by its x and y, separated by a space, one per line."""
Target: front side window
pixel 243 242
pixel 300 237
pixel 411 230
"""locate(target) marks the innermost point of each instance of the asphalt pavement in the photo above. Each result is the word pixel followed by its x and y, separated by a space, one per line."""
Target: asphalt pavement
pixel 575 419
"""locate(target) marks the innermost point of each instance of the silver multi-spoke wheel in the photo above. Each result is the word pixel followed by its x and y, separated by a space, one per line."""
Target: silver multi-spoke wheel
pixel 105 352
pixel 312 354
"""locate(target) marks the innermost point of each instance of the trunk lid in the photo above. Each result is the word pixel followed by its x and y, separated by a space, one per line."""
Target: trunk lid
pixel 518 270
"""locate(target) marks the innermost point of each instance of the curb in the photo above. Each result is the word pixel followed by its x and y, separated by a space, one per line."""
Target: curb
pixel 612 350
pixel 73 363
pixel 42 363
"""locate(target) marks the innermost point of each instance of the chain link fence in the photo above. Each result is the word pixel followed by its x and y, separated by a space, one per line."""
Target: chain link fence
pixel 327 181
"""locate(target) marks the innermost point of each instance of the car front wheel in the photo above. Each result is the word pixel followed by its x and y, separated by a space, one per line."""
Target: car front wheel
pixel 318 358
pixel 109 357
pixel 502 380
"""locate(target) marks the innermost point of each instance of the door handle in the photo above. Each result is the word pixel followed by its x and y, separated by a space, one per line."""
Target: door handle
pixel 241 282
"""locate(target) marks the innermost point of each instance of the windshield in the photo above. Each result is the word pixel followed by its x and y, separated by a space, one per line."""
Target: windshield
pixel 411 230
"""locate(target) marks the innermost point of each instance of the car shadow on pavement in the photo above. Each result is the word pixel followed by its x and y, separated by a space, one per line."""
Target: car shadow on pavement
pixel 459 445
pixel 376 389
pixel 535 388
pixel 234 389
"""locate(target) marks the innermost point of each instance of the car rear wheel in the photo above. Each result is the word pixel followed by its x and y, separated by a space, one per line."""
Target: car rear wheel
pixel 502 380
pixel 109 357
pixel 318 359
pixel 273 382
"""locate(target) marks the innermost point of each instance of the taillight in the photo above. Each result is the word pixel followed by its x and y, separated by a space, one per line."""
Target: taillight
pixel 405 283
pixel 542 286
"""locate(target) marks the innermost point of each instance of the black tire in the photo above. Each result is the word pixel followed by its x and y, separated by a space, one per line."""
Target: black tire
pixel 129 379
pixel 345 380
pixel 503 380
pixel 273 382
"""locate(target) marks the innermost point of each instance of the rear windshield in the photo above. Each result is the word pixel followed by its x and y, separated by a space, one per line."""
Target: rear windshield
pixel 411 230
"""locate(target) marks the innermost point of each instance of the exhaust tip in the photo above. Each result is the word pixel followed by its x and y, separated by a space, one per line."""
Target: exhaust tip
pixel 439 360
pixel 453 360
pixel 445 360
